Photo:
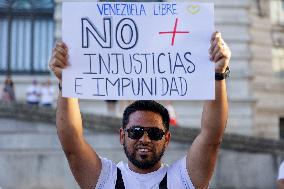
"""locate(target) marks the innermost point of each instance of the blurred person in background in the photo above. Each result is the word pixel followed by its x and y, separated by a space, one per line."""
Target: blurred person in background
pixel 33 93
pixel 280 180
pixel 46 94
pixel 111 106
pixel 172 113
pixel 8 92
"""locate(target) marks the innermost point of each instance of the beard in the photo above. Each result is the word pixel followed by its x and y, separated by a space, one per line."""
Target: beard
pixel 147 161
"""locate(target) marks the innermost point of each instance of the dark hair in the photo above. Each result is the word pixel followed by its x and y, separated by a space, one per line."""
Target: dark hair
pixel 146 105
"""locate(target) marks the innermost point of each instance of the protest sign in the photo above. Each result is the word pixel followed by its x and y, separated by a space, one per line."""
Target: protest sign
pixel 133 51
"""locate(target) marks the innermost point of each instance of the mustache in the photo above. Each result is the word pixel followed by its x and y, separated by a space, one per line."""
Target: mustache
pixel 148 146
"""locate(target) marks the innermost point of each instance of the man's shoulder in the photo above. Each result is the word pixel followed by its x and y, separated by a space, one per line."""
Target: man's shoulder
pixel 122 165
pixel 178 163
pixel 107 162
pixel 178 174
pixel 108 174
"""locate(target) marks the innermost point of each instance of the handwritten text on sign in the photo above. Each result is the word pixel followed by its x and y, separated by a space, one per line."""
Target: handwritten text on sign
pixel 138 50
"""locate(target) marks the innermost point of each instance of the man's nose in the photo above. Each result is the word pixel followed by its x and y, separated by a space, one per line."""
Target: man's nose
pixel 145 137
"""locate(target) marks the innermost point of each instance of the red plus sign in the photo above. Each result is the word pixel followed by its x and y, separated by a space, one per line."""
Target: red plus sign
pixel 174 32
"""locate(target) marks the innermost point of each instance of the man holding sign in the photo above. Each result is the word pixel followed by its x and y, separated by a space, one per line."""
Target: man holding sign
pixel 145 134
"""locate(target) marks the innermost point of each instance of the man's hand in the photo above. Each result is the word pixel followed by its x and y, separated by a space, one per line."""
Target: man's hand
pixel 219 52
pixel 59 59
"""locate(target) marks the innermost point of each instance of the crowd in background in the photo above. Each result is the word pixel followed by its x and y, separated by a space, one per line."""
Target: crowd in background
pixel 36 94
pixel 42 94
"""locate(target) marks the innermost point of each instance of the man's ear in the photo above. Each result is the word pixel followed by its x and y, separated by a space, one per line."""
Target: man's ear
pixel 167 137
pixel 121 136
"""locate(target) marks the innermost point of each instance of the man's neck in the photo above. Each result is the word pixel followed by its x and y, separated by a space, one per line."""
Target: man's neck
pixel 144 171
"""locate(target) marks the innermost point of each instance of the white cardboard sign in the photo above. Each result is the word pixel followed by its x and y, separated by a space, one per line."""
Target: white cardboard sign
pixel 132 51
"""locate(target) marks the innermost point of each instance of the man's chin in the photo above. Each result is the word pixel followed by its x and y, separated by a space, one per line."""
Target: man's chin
pixel 144 156
pixel 144 164
pixel 144 159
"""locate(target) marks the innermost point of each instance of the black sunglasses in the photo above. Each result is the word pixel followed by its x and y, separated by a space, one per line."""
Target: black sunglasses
pixel 136 132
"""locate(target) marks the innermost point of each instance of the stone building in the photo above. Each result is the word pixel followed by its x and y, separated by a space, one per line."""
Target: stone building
pixel 26 40
pixel 254 31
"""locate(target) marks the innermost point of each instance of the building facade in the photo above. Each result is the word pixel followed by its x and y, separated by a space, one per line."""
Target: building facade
pixel 252 28
pixel 26 40
pixel 277 18
pixel 254 31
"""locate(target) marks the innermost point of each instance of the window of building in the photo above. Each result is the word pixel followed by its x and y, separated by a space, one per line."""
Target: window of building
pixel 281 129
pixel 277 12
pixel 26 36
pixel 278 62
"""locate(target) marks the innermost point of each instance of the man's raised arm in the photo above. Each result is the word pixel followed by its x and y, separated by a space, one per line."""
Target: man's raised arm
pixel 202 155
pixel 83 160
